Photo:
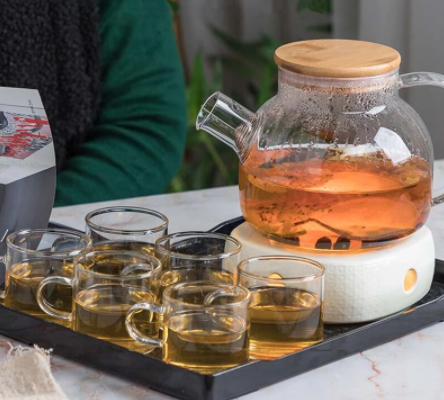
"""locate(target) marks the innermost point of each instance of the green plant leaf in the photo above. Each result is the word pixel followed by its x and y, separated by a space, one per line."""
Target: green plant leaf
pixel 303 4
pixel 177 184
pixel 260 51
pixel 322 28
pixel 266 88
pixel 207 140
pixel 196 89
pixel 249 62
pixel 319 6
pixel 174 7
pixel 239 66
pixel 216 83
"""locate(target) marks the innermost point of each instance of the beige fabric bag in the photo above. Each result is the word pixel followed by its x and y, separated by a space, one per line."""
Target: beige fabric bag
pixel 26 375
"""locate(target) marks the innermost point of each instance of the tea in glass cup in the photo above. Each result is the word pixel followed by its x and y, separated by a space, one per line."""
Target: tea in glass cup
pixel 205 325
pixel 33 255
pixel 126 228
pixel 102 297
pixel 286 304
pixel 197 256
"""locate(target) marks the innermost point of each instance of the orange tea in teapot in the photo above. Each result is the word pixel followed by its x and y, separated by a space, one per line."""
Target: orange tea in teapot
pixel 335 160
pixel 330 203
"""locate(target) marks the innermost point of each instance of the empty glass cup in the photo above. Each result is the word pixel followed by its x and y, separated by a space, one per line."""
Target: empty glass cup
pixel 286 304
pixel 205 325
pixel 126 228
pixel 198 256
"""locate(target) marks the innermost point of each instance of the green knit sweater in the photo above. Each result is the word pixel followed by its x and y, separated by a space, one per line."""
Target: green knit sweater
pixel 136 145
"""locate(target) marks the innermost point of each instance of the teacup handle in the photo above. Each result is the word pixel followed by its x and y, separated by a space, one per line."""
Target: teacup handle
pixel 413 79
pixel 47 308
pixel 134 332
pixel 212 296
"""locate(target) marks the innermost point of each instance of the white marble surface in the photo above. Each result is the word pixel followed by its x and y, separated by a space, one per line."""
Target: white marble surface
pixel 410 368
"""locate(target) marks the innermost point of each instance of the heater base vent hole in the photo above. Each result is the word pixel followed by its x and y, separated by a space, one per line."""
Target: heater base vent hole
pixel 410 280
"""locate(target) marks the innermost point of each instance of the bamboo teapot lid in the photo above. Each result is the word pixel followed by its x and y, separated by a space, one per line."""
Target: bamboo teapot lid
pixel 337 58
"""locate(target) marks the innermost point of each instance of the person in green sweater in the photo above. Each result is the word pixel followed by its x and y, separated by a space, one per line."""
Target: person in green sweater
pixel 111 81
pixel 136 143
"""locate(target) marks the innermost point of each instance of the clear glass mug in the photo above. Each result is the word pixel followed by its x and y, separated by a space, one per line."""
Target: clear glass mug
pixel 286 304
pixel 126 228
pixel 104 286
pixel 33 255
pixel 197 256
pixel 205 325
pixel 331 163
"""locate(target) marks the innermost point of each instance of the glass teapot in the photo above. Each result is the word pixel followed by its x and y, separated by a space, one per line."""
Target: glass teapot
pixel 336 160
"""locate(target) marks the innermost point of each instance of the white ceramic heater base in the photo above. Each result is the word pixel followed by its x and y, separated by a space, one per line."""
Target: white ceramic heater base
pixel 362 286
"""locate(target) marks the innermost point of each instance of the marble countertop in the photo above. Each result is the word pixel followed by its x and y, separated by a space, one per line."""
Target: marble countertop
pixel 410 368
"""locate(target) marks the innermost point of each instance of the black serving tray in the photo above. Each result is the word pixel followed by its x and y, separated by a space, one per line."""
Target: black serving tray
pixel 340 341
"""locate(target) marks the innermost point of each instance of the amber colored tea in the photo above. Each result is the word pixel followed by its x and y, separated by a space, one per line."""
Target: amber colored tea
pixel 22 280
pixel 283 320
pixel 105 264
pixel 100 311
pixel 194 274
pixel 141 247
pixel 337 202
pixel 206 342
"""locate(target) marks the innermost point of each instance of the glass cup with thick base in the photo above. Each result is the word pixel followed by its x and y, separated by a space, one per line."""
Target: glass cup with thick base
pixel 286 304
pixel 205 325
pixel 105 285
pixel 33 255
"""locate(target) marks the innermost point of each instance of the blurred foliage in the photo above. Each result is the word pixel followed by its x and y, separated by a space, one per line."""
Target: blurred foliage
pixel 254 63
pixel 174 7
pixel 320 6
pixel 207 161
pixel 321 28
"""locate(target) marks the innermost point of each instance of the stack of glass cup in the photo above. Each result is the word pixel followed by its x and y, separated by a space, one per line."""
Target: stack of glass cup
pixel 129 282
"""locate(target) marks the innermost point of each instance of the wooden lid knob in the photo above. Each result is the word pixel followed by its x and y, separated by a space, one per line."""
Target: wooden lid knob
pixel 337 58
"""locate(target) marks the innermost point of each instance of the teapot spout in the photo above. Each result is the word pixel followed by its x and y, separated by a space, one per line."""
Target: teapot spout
pixel 228 121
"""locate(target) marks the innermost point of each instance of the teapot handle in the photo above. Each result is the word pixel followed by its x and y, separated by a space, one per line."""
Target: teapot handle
pixel 413 79
pixel 420 79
